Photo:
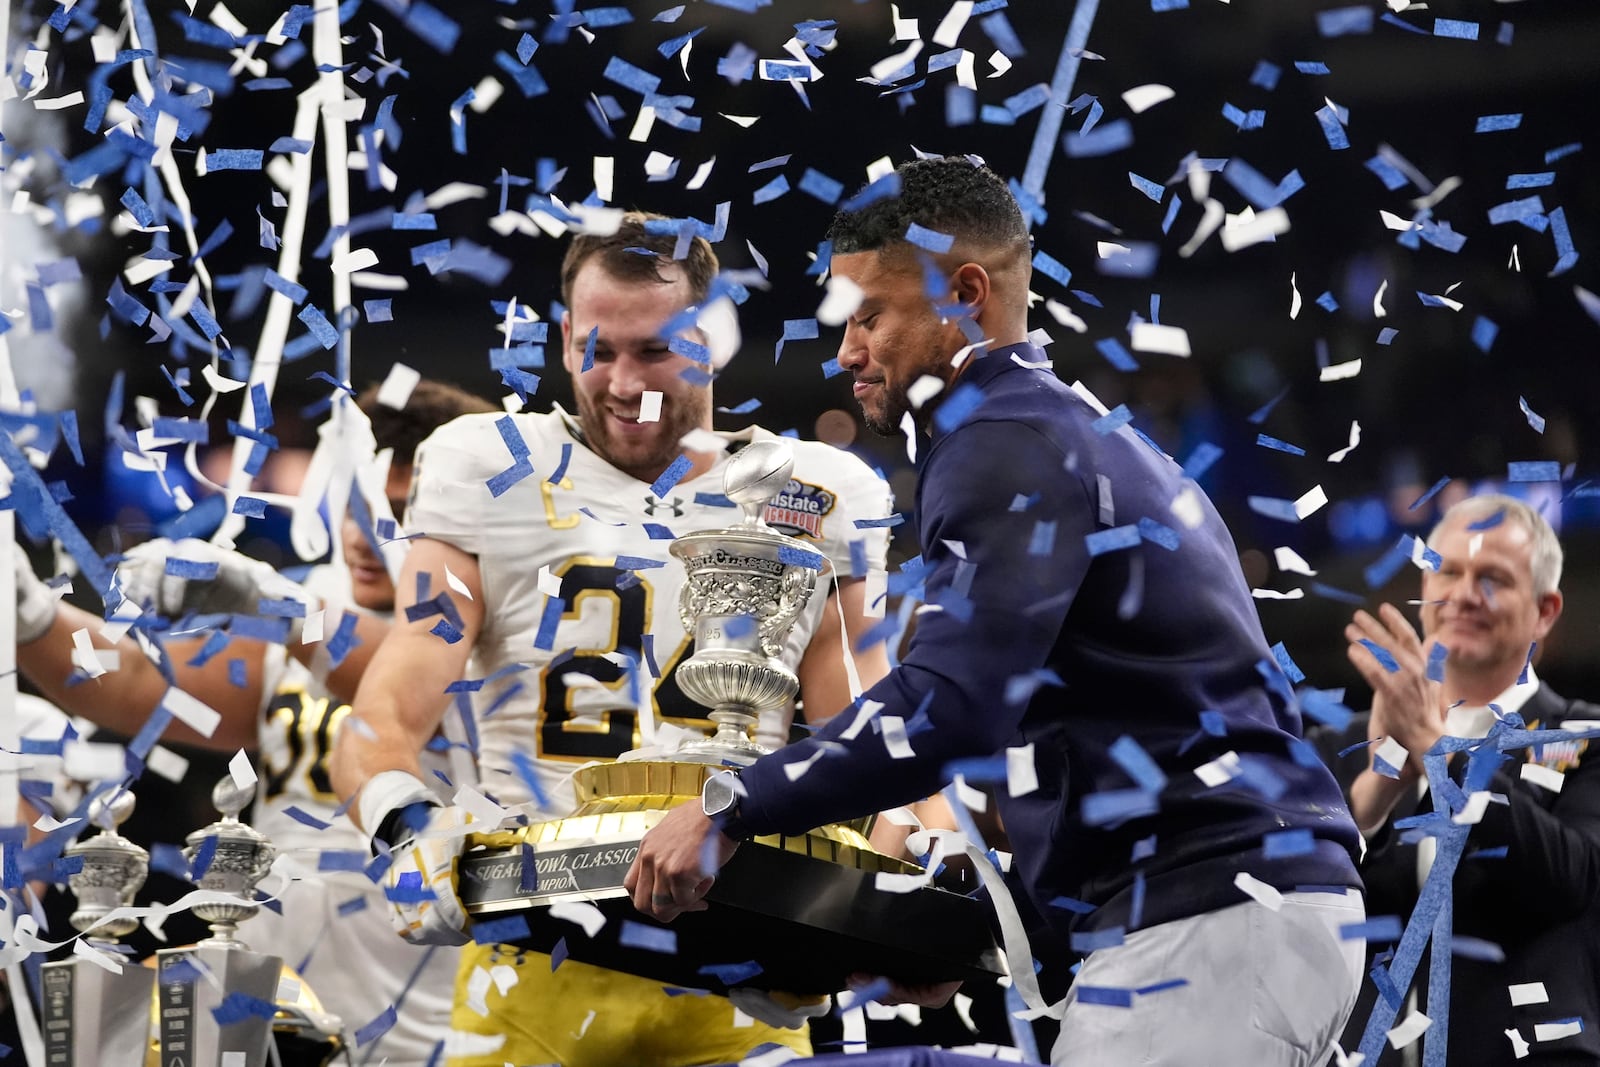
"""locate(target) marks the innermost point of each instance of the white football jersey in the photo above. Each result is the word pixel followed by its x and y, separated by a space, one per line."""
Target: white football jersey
pixel 564 626
pixel 335 924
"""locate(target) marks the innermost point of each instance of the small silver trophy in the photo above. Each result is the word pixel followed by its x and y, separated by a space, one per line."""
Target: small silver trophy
pixel 215 996
pixel 91 1015
pixel 745 588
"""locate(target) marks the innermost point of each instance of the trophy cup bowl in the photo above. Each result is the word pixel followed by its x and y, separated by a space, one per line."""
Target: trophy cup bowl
pixel 794 913
pixel 241 859
pixel 113 870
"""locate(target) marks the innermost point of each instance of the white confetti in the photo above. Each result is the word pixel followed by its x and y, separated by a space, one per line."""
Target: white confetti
pixel 1022 776
pixel 549 584
pixel 1225 768
pixel 1311 502
pixel 1393 753
pixel 1340 371
pixel 85 656
pixel 581 912
pixel 1471 813
pixel 894 736
pixel 954 21
pixel 1410 1028
pixel 1528 993
pixel 650 406
pixel 999 63
pixel 455 583
pixel 1242 232
pixel 1378 311
pixel 354 260
pixel 192 712
pixel 1162 340
pixel 841 301
pixel 1544 777
pixel 1556 1031
pixel 239 769
pixel 1273 594
pixel 1258 890
pixel 396 388
pixel 1355 439
pixel 167 763
pixel 1291 561
pixel 1294 298
pixel 1142 98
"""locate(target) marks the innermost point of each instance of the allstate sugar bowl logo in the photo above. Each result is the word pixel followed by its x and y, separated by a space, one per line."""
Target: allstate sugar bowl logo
pixel 799 509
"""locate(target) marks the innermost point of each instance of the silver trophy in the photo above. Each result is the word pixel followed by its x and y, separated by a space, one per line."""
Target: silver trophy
pixel 218 996
pixel 91 1015
pixel 794 913
pixel 746 586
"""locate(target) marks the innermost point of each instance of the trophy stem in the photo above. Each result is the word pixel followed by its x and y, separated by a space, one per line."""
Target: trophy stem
pixel 731 743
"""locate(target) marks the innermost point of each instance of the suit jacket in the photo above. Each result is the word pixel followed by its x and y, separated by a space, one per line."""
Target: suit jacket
pixel 1540 902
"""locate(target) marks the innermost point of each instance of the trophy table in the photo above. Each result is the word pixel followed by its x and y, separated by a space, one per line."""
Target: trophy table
pixel 792 913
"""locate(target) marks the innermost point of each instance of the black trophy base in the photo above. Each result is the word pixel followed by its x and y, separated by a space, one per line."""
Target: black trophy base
pixel 777 920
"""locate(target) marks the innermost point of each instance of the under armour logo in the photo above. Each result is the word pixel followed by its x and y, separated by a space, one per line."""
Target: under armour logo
pixel 651 505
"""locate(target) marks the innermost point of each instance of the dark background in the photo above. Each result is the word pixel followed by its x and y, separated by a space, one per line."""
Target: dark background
pixel 1431 404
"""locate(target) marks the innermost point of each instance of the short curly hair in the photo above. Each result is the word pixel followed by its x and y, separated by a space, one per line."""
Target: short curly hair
pixel 952 195
pixel 624 255
pixel 431 405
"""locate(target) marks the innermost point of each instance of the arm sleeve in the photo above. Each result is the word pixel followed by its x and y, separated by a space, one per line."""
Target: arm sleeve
pixel 1555 850
pixel 1002 526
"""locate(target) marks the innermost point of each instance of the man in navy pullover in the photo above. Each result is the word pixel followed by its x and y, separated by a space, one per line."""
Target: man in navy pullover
pixel 1086 607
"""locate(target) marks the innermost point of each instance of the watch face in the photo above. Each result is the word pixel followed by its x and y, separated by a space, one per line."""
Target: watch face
pixel 718 795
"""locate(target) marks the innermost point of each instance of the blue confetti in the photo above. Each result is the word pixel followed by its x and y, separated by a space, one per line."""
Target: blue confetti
pixel 795 330
pixel 233 159
pixel 1051 267
pixel 1534 419
pixel 1279 446
pixel 545 638
pixel 509 930
pixel 671 476
pixel 1138 765
pixel 1385 659
pixel 1496 123
pixel 1285 844
pixel 930 240
pixel 1116 354
pixel 1342 21
pixel 1429 495
pixel 1533 471
pixel 1090 940
pixel 1273 508
pixel 1112 137
pixel 1117 805
pixel 1104 995
pixel 650 938
pixel 1113 540
pixel 1112 421
pixel 1460 29
pixel 377 1027
pixel 1152 189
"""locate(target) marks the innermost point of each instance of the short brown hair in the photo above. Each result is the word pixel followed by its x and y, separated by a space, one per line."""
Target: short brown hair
pixel 623 255
pixel 431 405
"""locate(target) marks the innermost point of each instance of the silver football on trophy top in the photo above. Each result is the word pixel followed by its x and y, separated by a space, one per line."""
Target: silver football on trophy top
pixel 745 588
pixel 113 870
pixel 242 858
